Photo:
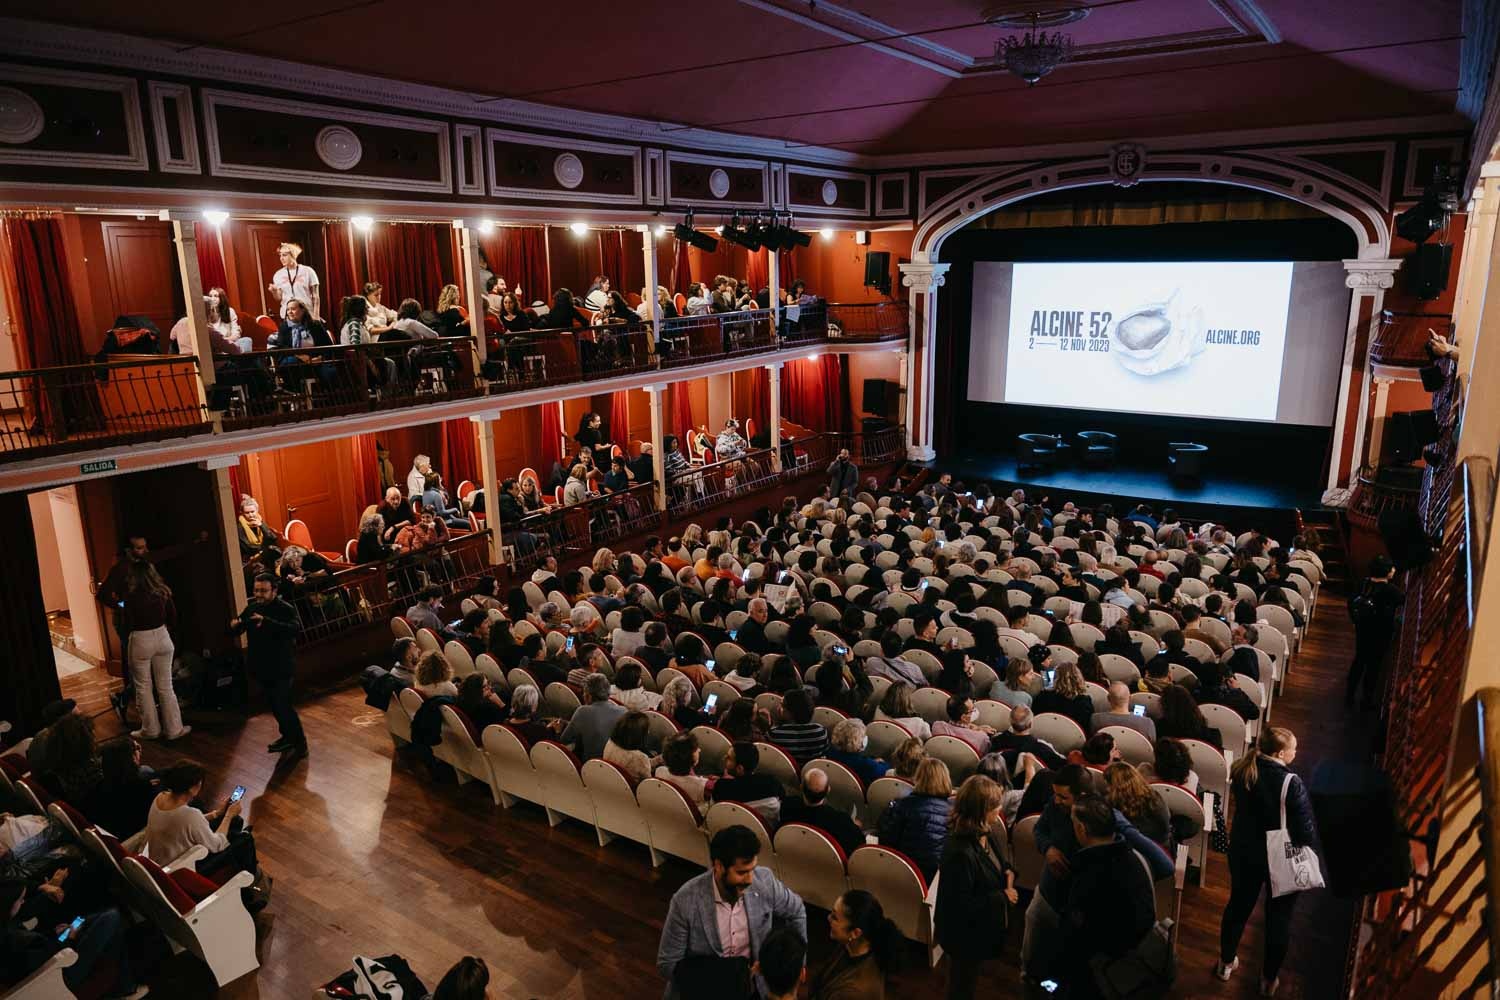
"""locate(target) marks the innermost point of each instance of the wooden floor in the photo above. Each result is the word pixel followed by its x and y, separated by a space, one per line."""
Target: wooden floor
pixel 371 857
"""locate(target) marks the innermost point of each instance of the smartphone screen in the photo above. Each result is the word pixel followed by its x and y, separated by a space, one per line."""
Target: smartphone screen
pixel 1139 710
pixel 569 644
pixel 746 575
pixel 734 635
pixel 709 664
pixel 237 794
pixel 841 650
pixel 710 703
pixel 924 584
pixel 1050 985
pixel 77 923
pixel 1049 676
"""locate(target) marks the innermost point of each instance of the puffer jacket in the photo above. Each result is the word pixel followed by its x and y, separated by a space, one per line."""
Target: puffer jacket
pixel 917 826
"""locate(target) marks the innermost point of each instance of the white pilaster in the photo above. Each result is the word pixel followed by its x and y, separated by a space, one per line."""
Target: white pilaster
pixel 774 284
pixel 185 241
pixel 653 279
pixel 489 477
pixel 923 279
pixel 1377 418
pixel 468 245
pixel 773 380
pixel 1369 280
pixel 658 445
pixel 229 526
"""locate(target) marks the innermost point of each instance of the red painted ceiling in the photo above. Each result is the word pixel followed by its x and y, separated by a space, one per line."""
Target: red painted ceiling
pixel 809 73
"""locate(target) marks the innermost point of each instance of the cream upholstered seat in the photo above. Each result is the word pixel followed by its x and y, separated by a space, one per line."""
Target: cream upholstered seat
pixel 1085 635
pixel 1098 695
pixel 962 760
pixel 673 822
pixel 462 748
pixel 713 747
pixel 846 792
pixel 1118 668
pixel 560 700
pixel 930 703
pixel 904 894
pixel 563 794
pixel 811 864
pixel 1062 732
pixel 1212 766
pixel 512 775
pixel 722 815
pixel 47 982
pixel 1181 802
pixel 1023 852
pixel 1133 747
pixel 885 736
pixel 459 659
pixel 995 714
pixel 1234 733
pixel 882 792
pixel 616 812
pixel 778 764
pixel 218 929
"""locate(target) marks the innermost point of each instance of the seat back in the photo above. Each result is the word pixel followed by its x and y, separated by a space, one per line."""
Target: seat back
pixel 882 792
pixel 672 821
pixel 1198 650
pixel 778 764
pixel 895 880
pixel 1098 695
pixel 561 782
pixel 1151 702
pixel 846 792
pixel 401 629
pixel 613 799
pixel 885 736
pixel 1234 732
pixel 713 747
pixel 995 714
pixel 511 769
pixel 1133 747
pixel 811 864
pixel 961 758
pixel 728 694
pixel 1118 668
pixel 459 658
pixel 1085 635
pixel 427 641
pixel 1059 730
pixel 722 815
pixel 297 534
pixel 1024 854
pixel 662 728
pixel 560 700
pixel 930 703
pixel 1212 766
pixel 486 664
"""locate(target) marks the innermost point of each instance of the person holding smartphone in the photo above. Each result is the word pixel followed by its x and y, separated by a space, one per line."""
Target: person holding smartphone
pixel 270 626
pixel 174 826
pixel 35 929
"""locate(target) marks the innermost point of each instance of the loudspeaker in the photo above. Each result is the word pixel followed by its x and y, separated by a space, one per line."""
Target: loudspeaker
pixel 1432 377
pixel 1404 538
pixel 1365 849
pixel 1427 270
pixel 878 270
pixel 879 396
pixel 1407 432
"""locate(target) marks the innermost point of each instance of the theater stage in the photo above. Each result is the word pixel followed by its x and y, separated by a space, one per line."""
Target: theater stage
pixel 1240 502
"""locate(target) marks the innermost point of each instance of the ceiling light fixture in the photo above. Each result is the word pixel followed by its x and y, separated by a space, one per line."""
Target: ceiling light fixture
pixel 361 222
pixel 828 233
pixel 1035 53
pixel 580 228
pixel 486 226
pixel 661 231
pixel 215 216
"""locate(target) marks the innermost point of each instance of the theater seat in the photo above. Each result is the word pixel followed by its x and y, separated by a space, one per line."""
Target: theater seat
pixel 722 815
pixel 563 793
pixel 616 812
pixel 673 822
pixel 895 880
pixel 811 863
pixel 218 929
pixel 512 774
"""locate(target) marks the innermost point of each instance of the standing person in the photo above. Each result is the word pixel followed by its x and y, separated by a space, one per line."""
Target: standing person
pixel 110 592
pixel 1262 785
pixel 843 475
pixel 1374 612
pixel 976 885
pixel 723 915
pixel 869 948
pixel 294 281
pixel 270 627
pixel 149 616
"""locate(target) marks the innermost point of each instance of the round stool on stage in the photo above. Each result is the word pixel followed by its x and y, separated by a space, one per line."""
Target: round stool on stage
pixel 1185 460
pixel 1097 448
pixel 1039 451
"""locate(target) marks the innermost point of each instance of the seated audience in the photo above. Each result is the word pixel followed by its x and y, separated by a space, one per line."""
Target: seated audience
pixel 593 722
pixel 1014 688
pixel 1182 719
pixel 435 676
pixel 1068 695
pixel 1121 713
pixel 961 724
pixel 628 691
pixel 1143 805
pixel 123 801
pixel 525 701
pixel 848 744
pixel 896 707
pixel 811 807
pixel 480 702
pixel 917 824
pixel 679 765
pixel 1018 740
pixel 801 737
pixel 173 826
pixel 907 757
pixel 741 784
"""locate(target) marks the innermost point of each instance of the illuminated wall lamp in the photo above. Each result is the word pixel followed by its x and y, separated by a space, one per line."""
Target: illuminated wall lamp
pixel 361 222
pixel 580 228
pixel 215 216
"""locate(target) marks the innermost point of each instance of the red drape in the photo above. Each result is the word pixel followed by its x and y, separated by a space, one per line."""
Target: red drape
pixel 785 272
pixel 816 393
pixel 210 257
pixel 682 270
pixel 519 255
pixel 339 278
pixel 43 308
pixel 612 259
pixel 759 273
pixel 403 257
pixel 366 470
pixel 460 458
pixel 551 438
pixel 619 419
pixel 679 415
pixel 760 397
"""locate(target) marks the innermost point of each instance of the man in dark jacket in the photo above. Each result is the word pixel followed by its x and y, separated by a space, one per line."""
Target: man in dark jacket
pixel 1216 686
pixel 1111 902
pixel 270 626
pixel 1243 660
pixel 751 635
pixel 1019 739
pixel 812 808
pixel 843 475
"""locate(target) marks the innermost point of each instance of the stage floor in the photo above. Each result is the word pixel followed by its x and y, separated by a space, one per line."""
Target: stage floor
pixel 1138 484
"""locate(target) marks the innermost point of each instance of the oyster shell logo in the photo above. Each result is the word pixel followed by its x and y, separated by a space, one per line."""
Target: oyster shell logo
pixel 1158 337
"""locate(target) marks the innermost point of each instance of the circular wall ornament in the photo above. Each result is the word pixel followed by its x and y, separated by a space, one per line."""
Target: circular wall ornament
pixel 718 183
pixel 21 117
pixel 339 147
pixel 830 192
pixel 568 169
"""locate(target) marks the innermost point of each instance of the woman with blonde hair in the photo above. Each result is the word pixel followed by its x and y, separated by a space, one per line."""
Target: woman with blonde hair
pixel 896 707
pixel 1264 790
pixel 149 614
pixel 976 885
pixel 1143 805
pixel 294 281
pixel 258 540
pixel 1068 695
pixel 435 676
pixel 917 824
pixel 451 321
pixel 576 490
pixel 907 757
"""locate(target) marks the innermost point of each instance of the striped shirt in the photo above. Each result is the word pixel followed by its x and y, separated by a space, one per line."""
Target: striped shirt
pixel 802 740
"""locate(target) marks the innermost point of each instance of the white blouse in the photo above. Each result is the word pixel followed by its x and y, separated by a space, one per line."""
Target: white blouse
pixel 299 282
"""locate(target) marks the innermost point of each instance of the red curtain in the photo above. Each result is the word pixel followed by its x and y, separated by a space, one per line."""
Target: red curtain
pixel 403 256
pixel 816 393
pixel 760 396
pixel 339 280
pixel 679 415
pixel 759 274
pixel 43 306
pixel 459 458
pixel 551 438
pixel 519 255
pixel 366 470
pixel 619 419
pixel 210 257
pixel 612 259
pixel 785 273
pixel 682 270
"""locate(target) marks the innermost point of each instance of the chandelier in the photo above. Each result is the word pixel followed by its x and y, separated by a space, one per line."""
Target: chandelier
pixel 1034 54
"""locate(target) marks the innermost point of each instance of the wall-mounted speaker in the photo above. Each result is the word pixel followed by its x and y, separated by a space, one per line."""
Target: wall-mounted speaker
pixel 878 271
pixel 879 396
pixel 1427 270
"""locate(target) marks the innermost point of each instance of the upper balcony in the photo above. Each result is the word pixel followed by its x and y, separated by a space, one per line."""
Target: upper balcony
pixel 147 399
pixel 1401 338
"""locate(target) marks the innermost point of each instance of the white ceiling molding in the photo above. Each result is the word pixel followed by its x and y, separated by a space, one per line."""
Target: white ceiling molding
pixel 869 29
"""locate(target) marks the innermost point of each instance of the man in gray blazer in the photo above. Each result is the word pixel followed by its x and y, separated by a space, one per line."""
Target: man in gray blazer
pixel 728 911
pixel 592 723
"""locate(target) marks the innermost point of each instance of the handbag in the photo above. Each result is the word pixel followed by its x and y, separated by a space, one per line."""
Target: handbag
pixel 1145 972
pixel 1292 868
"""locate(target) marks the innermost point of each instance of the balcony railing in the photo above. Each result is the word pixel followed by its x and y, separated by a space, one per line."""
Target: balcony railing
pixel 1401 338
pixel 1377 491
pixel 98 406
pixel 580 528
pixel 49 411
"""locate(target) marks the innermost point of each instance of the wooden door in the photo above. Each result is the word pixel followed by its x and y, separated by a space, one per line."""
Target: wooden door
pixel 143 277
pixel 311 485
pixel 256 260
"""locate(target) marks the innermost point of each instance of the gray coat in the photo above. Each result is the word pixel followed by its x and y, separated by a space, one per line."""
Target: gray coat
pixel 692 928
pixel 589 728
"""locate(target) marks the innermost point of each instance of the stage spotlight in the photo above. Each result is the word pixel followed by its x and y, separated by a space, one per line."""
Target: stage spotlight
pixel 363 223
pixel 748 237
pixel 661 231
pixel 580 228
pixel 1439 200
pixel 828 233
pixel 486 226
pixel 685 233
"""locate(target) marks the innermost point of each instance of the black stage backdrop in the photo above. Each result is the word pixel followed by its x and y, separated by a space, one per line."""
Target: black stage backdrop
pixel 1299 453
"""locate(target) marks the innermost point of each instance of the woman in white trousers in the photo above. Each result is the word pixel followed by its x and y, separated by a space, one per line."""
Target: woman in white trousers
pixel 149 614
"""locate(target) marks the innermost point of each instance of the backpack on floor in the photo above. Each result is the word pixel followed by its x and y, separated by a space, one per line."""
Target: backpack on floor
pixel 388 978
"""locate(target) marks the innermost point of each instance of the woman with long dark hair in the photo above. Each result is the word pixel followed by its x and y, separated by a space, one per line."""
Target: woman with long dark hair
pixel 869 948
pixel 1260 783
pixel 149 615
pixel 976 885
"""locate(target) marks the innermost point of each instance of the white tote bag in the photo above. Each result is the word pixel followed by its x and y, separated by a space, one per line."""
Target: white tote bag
pixel 1292 868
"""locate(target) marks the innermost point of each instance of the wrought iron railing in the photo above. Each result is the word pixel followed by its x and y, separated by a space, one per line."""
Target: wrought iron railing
pixel 691 340
pixel 49 411
pixel 1377 491
pixel 868 320
pixel 580 528
pixel 1401 337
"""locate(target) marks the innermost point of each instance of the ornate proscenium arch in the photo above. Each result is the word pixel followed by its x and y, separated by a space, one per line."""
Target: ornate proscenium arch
pixel 1351 201
pixel 1309 175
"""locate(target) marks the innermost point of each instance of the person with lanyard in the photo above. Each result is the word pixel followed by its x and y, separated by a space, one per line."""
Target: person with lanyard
pixel 270 626
pixel 294 281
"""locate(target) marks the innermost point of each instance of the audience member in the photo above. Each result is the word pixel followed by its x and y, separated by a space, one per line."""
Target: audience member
pixel 593 722
pixel 480 702
pixel 469 979
pixel 801 737
pixel 1121 713
pixel 173 826
pixel 976 885
pixel 1068 695
pixel 435 676
pixel 961 724
pixel 1018 740
pixel 869 948
pixel 917 824
pixel 627 746
pixel 811 807
pixel 848 744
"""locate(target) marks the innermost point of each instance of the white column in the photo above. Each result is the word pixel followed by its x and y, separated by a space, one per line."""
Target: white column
pixel 653 279
pixel 1479 434
pixel 1377 423
pixel 1369 279
pixel 473 289
pixel 489 476
pixel 186 242
pixel 229 526
pixel 658 446
pixel 774 284
pixel 1468 296
pixel 773 379
pixel 924 280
